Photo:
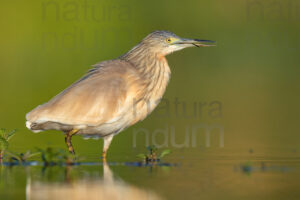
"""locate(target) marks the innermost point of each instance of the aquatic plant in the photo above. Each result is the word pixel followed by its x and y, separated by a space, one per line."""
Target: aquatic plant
pixel 247 168
pixel 5 136
pixel 51 156
pixel 20 157
pixel 152 155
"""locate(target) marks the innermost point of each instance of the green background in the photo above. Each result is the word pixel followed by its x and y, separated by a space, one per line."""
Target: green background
pixel 253 72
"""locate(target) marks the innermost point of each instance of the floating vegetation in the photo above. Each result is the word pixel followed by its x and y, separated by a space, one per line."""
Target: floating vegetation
pixel 152 156
pixel 20 158
pixel 59 157
pixel 248 168
pixel 51 156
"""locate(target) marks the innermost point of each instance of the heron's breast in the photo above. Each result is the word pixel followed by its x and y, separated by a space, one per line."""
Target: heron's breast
pixel 156 81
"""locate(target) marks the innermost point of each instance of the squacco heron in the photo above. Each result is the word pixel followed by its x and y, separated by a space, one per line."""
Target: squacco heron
pixel 115 94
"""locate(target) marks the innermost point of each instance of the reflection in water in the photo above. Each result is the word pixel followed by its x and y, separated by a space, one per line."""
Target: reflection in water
pixel 106 188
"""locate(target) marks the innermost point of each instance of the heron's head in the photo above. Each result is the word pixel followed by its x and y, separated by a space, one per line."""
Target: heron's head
pixel 165 42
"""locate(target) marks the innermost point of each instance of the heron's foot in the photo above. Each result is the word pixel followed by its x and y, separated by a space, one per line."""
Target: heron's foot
pixel 68 139
pixel 71 149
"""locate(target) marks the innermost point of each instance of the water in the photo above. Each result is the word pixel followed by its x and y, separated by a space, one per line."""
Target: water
pixel 226 174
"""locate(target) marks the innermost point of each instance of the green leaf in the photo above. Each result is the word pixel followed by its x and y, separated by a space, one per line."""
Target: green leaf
pixel 32 155
pixel 15 156
pixel 152 149
pixel 164 153
pixel 2 132
pixel 11 133
pixel 3 144
pixel 28 154
pixel 141 155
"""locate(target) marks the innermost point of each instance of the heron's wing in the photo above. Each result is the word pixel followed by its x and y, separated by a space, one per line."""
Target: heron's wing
pixel 99 97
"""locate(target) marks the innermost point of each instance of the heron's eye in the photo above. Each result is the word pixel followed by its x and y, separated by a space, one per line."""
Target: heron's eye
pixel 169 40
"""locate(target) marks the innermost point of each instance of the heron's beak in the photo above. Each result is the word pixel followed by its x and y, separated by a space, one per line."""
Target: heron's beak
pixel 196 42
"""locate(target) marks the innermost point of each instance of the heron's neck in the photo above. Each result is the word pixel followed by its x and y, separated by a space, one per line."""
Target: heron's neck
pixel 154 71
pixel 145 59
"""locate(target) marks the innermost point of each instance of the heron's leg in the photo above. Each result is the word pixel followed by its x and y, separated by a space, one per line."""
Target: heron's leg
pixel 107 141
pixel 68 139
